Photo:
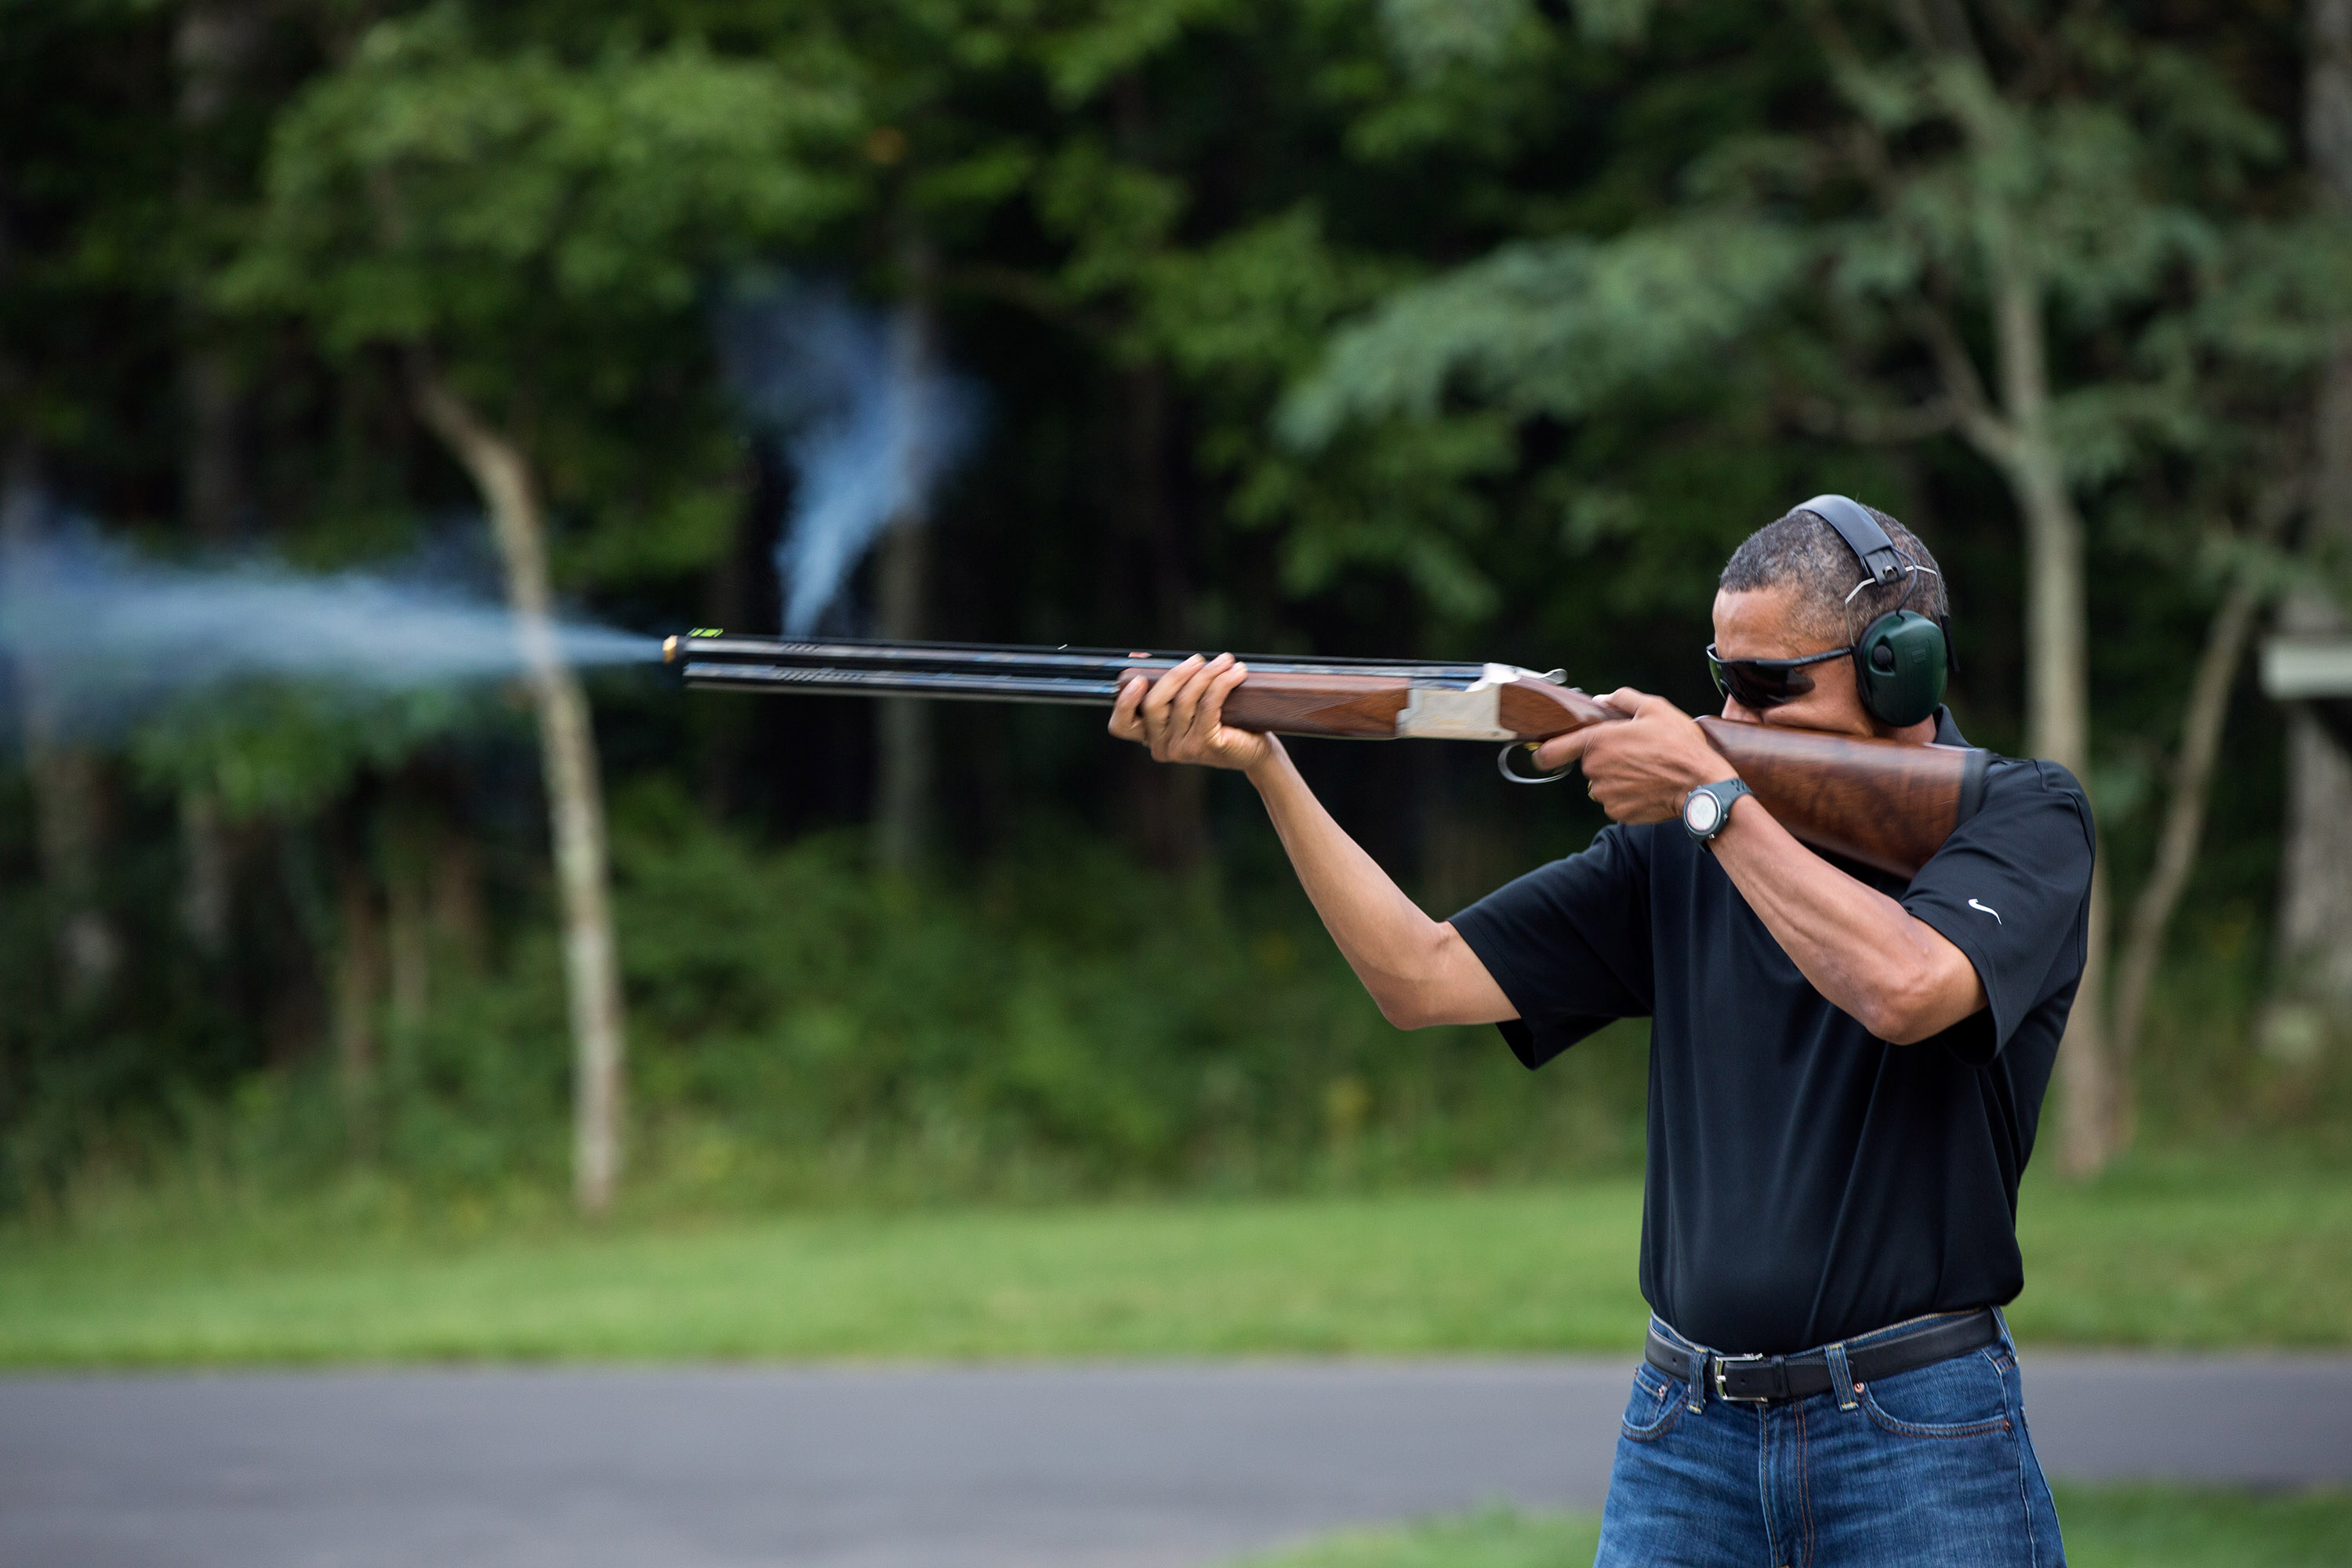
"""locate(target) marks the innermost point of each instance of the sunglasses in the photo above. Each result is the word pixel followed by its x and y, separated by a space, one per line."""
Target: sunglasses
pixel 1762 683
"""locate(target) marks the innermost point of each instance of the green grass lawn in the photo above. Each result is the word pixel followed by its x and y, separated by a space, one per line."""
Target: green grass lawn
pixel 2104 1527
pixel 2169 1256
pixel 1492 1538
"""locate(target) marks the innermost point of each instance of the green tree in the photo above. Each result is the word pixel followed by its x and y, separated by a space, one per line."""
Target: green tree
pixel 513 217
pixel 2001 242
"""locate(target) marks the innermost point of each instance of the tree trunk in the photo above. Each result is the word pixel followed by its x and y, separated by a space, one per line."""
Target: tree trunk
pixel 456 893
pixel 408 909
pixel 357 997
pixel 68 781
pixel 206 873
pixel 2058 687
pixel 903 761
pixel 211 46
pixel 212 480
pixel 408 947
pixel 2184 824
pixel 67 792
pixel 2316 874
pixel 1171 803
pixel 575 802
pixel 2315 919
pixel 2058 726
pixel 731 591
pixel 1169 806
pixel 2314 913
pixel 2327 100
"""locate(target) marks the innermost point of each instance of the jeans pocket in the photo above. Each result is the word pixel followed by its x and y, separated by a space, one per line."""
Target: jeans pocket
pixel 1653 1405
pixel 1962 1397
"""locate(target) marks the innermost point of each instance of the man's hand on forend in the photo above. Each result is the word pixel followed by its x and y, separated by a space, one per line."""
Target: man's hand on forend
pixel 1181 716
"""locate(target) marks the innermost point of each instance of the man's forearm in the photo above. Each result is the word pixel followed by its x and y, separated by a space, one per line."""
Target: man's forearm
pixel 1418 970
pixel 1892 972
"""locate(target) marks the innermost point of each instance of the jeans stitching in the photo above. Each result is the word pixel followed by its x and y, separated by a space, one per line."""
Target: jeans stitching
pixel 1659 1426
pixel 2015 1400
pixel 1840 1377
pixel 1885 1422
pixel 1804 1486
pixel 1717 1448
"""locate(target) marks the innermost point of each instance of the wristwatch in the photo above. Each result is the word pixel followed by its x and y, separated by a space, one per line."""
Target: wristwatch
pixel 1707 808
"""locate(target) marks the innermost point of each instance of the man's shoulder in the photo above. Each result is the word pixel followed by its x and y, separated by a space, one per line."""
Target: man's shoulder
pixel 2019 784
pixel 2023 785
pixel 2032 830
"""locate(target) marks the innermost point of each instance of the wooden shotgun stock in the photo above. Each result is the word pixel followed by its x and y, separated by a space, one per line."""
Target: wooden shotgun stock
pixel 1882 802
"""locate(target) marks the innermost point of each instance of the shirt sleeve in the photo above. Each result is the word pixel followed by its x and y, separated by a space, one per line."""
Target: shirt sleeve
pixel 2008 888
pixel 1569 943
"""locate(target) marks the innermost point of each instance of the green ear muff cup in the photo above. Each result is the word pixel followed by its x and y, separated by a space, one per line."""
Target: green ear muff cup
pixel 1899 665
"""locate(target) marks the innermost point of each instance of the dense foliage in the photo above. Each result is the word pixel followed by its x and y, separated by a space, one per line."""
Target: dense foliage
pixel 1462 328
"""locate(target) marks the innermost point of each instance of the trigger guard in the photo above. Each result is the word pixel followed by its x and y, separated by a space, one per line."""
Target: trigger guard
pixel 1503 767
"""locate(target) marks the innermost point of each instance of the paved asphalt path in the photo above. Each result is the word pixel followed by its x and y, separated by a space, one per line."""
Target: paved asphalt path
pixel 1044 1467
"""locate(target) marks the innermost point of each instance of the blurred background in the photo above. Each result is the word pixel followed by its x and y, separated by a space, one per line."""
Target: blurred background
pixel 343 934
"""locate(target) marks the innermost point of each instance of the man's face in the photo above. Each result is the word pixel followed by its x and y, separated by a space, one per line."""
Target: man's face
pixel 1763 622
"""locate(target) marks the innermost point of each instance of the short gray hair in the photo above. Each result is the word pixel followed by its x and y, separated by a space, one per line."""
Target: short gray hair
pixel 1800 551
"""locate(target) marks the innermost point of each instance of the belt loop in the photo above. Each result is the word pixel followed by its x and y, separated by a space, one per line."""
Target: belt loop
pixel 1697 1379
pixel 1841 1377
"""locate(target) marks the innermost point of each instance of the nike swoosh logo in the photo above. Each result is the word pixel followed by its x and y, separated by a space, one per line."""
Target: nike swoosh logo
pixel 1988 910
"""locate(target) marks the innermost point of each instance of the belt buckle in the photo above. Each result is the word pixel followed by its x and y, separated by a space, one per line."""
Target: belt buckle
pixel 1723 1394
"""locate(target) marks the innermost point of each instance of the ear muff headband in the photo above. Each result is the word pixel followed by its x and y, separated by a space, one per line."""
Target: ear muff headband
pixel 1881 562
pixel 1902 660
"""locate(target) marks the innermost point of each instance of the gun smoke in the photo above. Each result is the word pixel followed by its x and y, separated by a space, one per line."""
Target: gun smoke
pixel 853 403
pixel 103 635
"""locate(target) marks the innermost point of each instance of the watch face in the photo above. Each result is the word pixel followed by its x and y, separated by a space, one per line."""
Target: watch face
pixel 1701 812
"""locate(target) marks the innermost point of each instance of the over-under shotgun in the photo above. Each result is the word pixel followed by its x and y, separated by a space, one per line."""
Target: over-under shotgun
pixel 1882 802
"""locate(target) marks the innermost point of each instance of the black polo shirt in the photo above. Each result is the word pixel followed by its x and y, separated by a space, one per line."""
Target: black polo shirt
pixel 1807 1182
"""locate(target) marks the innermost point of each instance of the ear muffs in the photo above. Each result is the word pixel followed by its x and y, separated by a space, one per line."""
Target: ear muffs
pixel 1900 668
pixel 1902 660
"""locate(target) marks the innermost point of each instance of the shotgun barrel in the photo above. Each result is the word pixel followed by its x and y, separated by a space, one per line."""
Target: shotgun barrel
pixel 976 658
pixel 1356 698
pixel 1882 802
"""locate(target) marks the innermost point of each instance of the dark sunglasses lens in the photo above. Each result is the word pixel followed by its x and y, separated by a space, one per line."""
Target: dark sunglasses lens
pixel 1759 683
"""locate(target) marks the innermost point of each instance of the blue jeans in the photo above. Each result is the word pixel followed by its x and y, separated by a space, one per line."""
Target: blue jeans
pixel 1930 1466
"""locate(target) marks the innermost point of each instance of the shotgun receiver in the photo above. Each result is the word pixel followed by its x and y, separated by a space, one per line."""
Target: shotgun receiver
pixel 1882 802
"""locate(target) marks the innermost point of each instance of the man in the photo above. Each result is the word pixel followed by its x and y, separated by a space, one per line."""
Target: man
pixel 1846 1070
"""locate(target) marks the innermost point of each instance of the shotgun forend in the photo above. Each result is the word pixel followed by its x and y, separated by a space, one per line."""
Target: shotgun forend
pixel 1881 802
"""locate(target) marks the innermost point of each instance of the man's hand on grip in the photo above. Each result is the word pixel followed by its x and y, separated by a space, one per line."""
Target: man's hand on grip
pixel 1640 770
pixel 1181 716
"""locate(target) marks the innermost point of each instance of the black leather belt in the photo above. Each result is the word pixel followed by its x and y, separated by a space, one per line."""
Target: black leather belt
pixel 1760 1379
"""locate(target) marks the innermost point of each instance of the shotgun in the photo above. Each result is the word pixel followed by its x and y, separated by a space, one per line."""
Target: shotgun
pixel 1882 802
